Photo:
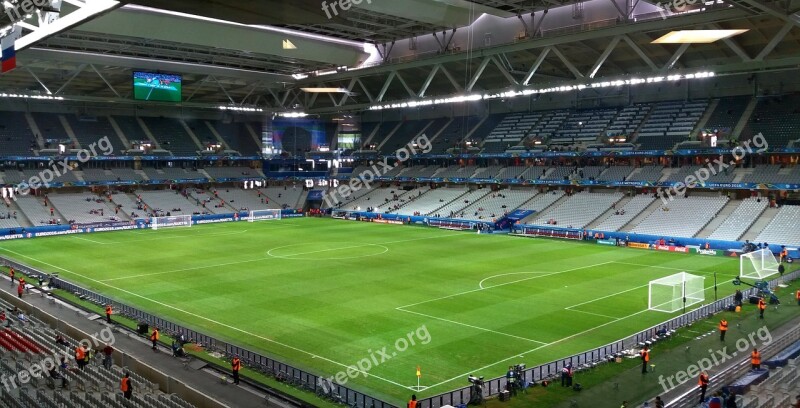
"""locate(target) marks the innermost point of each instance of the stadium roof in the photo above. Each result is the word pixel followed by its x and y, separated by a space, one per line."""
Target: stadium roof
pixel 235 53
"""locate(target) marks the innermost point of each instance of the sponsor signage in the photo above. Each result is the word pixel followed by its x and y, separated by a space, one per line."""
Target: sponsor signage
pixel 606 242
pixel 707 252
pixel 638 245
pixel 672 248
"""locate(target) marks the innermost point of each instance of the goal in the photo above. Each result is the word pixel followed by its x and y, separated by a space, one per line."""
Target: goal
pixel 758 264
pixel 668 293
pixel 261 215
pixel 171 221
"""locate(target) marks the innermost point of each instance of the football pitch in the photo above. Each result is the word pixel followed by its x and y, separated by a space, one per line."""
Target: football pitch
pixel 325 294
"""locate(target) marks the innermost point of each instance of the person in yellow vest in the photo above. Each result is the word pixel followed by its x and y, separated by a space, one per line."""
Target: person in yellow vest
pixel 645 354
pixel 413 402
pixel 154 338
pixel 762 306
pixel 236 365
pixel 126 387
pixel 702 383
pixel 109 310
pixel 755 359
pixel 723 328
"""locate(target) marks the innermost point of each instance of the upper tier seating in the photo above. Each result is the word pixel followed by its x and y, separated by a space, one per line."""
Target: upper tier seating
pixel 628 120
pixel 90 129
pixel 15 134
pixel 777 119
pixel 727 114
pixel 510 131
pixel 670 123
pixel 583 126
pixel 171 135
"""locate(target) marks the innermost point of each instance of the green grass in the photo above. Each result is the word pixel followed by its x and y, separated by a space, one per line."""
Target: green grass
pixel 324 294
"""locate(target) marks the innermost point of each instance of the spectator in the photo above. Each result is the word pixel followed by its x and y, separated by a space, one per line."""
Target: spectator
pixel 108 352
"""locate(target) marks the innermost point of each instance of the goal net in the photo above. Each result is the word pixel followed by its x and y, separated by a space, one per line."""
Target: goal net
pixel 758 264
pixel 171 221
pixel 668 293
pixel 261 215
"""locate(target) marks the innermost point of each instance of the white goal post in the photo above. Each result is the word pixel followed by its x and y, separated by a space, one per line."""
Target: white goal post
pixel 171 221
pixel 758 264
pixel 263 215
pixel 667 294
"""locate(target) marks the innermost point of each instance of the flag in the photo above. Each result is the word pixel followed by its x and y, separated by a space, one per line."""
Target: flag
pixel 419 373
pixel 9 58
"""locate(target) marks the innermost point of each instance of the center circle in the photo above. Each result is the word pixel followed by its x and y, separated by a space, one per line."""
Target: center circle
pixel 324 252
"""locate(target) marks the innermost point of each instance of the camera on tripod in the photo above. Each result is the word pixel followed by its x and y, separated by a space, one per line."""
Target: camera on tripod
pixel 475 380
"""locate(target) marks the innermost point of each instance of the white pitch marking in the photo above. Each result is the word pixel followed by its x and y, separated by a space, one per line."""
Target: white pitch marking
pixel 208 320
pixel 474 327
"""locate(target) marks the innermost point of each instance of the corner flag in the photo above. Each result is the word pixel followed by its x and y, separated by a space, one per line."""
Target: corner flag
pixel 419 373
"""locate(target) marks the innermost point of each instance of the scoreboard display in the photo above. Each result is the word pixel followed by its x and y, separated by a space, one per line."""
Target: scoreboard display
pixel 151 86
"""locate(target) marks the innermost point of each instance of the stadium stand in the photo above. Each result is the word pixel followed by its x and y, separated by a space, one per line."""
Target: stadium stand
pixel 736 224
pixel 650 174
pixel 171 135
pixel 84 208
pixel 541 201
pixel 236 135
pixel 776 118
pixel 783 228
pixel 50 126
pixel 285 196
pixel 162 203
pixel 36 212
pixel 496 204
pixel 455 132
pixel 671 219
pixel 131 128
pixel 583 126
pixel 578 210
pixel 628 121
pixel 90 129
pixel 457 206
pixel 615 173
pixel 432 201
pixel 16 137
pixel 669 123
pixel 626 213
pixel 510 131
pixel 233 172
pixel 727 114
pixel 407 131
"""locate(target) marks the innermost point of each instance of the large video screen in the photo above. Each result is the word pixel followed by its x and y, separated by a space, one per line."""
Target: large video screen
pixel 151 86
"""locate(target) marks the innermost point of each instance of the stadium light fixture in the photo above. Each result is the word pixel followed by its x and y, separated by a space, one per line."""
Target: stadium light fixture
pixel 531 91
pixel 697 36
pixel 292 114
pixel 240 108
pixel 325 90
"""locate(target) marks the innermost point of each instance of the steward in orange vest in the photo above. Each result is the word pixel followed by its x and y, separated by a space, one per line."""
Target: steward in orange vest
pixel 723 328
pixel 154 338
pixel 236 365
pixel 755 359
